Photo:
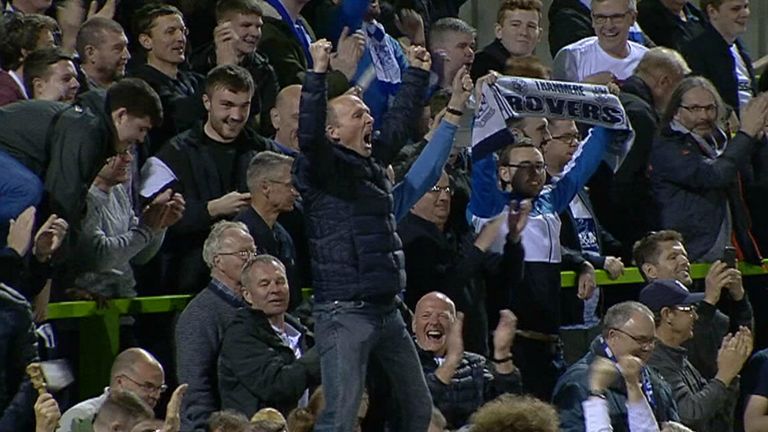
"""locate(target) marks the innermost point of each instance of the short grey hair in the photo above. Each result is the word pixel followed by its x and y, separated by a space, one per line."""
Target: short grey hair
pixel 618 315
pixel 245 277
pixel 631 4
pixel 212 244
pixel 264 166
pixel 448 25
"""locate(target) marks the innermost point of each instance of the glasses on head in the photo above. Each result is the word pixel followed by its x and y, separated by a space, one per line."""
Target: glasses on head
pixel 244 255
pixel 642 341
pixel 569 138
pixel 437 189
pixel 700 109
pixel 147 387
pixel 530 166
pixel 686 308
pixel 602 19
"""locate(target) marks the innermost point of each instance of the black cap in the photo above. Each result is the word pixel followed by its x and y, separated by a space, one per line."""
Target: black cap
pixel 667 293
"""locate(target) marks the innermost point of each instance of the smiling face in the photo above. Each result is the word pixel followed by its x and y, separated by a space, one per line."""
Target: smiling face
pixel 519 31
pixel 60 85
pixel 227 113
pixel 111 55
pixel 351 124
pixel 731 18
pixel 131 130
pixel 435 205
pixel 267 288
pixel 248 29
pixel 525 171
pixel 680 320
pixel 166 41
pixel 611 20
pixel 636 337
pixel 672 263
pixel 432 319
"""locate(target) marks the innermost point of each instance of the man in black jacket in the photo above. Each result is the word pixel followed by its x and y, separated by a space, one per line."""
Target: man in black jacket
pixel 626 210
pixel 518 30
pixel 265 359
pixel 208 163
pixel 68 145
pixel 719 54
pixel 357 259
pixel 461 381
pixel 670 23
pixel 235 40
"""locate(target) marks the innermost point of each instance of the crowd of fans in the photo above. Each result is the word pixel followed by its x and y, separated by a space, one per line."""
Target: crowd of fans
pixel 310 170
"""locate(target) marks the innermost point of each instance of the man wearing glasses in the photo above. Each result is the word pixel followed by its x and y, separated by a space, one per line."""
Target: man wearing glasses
pixel 704 405
pixel 585 244
pixel 608 56
pixel 628 333
pixel 694 171
pixel 201 326
pixel 133 369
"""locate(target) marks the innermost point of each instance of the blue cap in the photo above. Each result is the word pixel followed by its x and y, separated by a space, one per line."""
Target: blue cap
pixel 667 293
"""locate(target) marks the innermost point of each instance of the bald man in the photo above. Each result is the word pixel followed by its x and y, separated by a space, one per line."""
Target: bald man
pixel 450 371
pixel 285 120
pixel 135 370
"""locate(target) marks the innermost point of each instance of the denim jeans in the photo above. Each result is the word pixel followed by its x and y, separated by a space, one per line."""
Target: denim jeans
pixel 347 334
pixel 19 189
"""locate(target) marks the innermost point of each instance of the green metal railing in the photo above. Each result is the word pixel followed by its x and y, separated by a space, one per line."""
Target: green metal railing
pixel 99 328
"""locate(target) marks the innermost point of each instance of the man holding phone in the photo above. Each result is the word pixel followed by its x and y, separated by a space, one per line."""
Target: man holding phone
pixel 662 255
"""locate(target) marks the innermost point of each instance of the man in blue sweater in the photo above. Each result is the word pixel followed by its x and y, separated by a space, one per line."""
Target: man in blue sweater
pixel 351 209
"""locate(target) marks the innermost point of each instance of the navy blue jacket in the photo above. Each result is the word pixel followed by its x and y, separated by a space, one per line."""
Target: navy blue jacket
pixel 349 207
pixel 573 388
pixel 710 56
pixel 693 192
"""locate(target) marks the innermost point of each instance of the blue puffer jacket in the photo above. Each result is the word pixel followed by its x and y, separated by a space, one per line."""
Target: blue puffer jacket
pixel 350 211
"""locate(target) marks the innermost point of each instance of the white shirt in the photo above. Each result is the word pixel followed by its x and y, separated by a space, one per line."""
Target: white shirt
pixel 742 76
pixel 581 59
pixel 291 338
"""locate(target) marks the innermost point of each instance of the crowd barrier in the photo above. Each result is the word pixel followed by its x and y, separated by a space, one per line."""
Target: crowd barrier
pixel 99 328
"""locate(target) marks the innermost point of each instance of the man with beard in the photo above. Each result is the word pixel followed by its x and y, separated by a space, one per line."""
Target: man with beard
pixel 628 331
pixel 695 171
pixel 461 381
pixel 209 163
pixel 103 50
pixel 521 172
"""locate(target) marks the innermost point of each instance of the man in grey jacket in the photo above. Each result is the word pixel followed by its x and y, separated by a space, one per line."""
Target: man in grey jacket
pixel 200 329
pixel 703 405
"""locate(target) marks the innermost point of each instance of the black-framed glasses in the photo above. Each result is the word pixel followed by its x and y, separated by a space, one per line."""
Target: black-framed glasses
pixel 147 387
pixel 602 19
pixel 244 255
pixel 700 109
pixel 569 138
pixel 437 189
pixel 537 166
pixel 643 342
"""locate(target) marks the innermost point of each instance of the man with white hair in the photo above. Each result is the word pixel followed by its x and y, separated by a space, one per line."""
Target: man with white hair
pixel 200 328
pixel 609 55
